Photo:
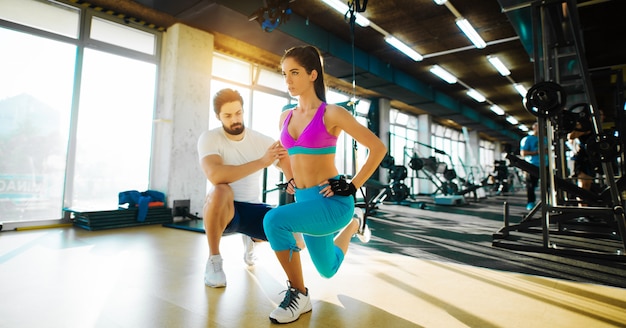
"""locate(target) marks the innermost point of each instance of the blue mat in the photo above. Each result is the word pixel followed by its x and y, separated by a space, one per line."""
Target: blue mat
pixel 191 225
pixel 120 218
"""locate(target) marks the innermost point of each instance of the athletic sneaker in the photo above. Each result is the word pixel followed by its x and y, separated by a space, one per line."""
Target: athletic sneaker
pixel 364 234
pixel 214 273
pixel 530 206
pixel 248 250
pixel 294 304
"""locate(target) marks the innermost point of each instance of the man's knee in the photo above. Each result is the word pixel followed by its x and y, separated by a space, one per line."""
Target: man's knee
pixel 220 199
pixel 220 195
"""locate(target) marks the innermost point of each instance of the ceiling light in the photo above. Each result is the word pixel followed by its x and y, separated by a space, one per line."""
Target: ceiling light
pixel 343 9
pixel 476 95
pixel 440 2
pixel 496 109
pixel 523 127
pixel 520 88
pixel 470 32
pixel 495 61
pixel 404 48
pixel 443 74
pixel 512 120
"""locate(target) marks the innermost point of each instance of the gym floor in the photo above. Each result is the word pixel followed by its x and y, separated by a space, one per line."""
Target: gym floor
pixel 431 267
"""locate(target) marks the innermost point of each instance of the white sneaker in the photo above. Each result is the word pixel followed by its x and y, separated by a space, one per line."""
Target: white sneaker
pixel 364 233
pixel 294 304
pixel 248 250
pixel 213 273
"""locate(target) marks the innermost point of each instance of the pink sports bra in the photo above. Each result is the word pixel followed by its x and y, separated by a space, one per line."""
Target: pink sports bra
pixel 314 139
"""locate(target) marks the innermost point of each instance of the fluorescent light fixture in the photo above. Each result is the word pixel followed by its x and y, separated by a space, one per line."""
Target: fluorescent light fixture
pixel 440 2
pixel 496 109
pixel 523 127
pixel 470 32
pixel 476 95
pixel 512 120
pixel 443 74
pixel 520 88
pixel 343 9
pixel 495 61
pixel 404 48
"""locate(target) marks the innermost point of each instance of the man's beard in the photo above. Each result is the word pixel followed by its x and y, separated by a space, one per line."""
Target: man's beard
pixel 235 129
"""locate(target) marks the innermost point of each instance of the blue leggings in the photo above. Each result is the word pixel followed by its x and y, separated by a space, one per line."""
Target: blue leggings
pixel 319 219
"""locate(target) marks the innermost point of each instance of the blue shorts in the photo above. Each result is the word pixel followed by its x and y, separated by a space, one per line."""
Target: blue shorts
pixel 248 219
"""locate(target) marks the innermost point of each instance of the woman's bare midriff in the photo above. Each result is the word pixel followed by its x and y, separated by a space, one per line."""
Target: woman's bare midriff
pixel 311 170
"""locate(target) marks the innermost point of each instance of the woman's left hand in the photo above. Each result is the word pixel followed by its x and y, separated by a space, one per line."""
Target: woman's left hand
pixel 337 187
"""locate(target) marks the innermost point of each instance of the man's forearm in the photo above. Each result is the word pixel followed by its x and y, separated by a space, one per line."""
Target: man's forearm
pixel 232 173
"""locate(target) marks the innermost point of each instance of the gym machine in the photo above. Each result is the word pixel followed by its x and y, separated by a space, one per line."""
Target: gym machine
pixel 451 189
pixel 561 75
pixel 396 191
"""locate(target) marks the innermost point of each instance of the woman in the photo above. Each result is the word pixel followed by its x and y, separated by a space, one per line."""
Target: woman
pixel 324 201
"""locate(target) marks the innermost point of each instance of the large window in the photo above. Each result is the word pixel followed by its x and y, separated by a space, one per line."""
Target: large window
pixel 450 146
pixel 48 16
pixel 114 129
pixel 35 108
pixel 75 122
pixel 403 137
pixel 487 155
pixel 404 145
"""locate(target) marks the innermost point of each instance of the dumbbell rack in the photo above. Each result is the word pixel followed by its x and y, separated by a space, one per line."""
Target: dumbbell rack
pixel 556 43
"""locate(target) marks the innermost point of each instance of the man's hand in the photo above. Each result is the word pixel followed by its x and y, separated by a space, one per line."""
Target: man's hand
pixel 274 153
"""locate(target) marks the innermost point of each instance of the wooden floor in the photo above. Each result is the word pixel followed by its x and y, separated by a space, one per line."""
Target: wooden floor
pixel 152 276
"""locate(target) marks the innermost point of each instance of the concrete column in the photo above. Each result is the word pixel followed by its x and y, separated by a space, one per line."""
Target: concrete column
pixel 424 122
pixel 384 107
pixel 182 114
pixel 472 149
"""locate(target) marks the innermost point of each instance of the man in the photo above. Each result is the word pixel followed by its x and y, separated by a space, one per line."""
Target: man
pixel 529 148
pixel 232 158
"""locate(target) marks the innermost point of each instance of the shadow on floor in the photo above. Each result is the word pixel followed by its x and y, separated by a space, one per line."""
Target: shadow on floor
pixel 464 234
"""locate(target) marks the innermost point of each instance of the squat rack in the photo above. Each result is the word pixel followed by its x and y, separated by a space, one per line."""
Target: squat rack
pixel 557 43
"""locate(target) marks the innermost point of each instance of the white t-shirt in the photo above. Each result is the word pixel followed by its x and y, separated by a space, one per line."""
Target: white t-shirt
pixel 252 147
